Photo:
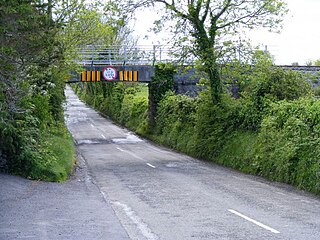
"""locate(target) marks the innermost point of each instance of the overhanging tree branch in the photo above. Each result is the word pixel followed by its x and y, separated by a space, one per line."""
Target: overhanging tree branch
pixel 207 18
pixel 249 17
pixel 206 11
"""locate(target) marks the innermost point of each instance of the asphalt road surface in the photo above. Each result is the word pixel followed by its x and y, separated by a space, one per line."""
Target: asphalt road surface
pixel 156 193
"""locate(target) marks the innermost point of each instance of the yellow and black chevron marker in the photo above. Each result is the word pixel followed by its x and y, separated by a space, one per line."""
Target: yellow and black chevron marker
pixel 98 73
pixel 128 76
pixel 95 76
pixel 91 76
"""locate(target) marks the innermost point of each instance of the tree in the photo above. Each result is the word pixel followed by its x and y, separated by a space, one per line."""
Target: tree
pixel 213 24
pixel 36 41
pixel 28 56
pixel 94 25
pixel 317 62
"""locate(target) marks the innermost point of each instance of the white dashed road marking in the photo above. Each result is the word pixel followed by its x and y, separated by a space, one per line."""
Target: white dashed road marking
pixel 103 136
pixel 150 165
pixel 253 221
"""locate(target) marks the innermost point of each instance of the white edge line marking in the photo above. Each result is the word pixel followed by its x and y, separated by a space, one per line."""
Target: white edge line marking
pixel 253 221
pixel 143 227
pixel 150 165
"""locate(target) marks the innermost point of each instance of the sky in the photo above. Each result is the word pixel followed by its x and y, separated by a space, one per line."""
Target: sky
pixel 298 42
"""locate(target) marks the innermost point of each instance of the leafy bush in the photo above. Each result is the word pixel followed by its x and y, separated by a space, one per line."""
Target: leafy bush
pixel 31 92
pixel 211 127
pixel 134 113
pixel 239 152
pixel 289 145
pixel 125 103
pixel 279 84
pixel 54 159
pixel 316 91
pixel 175 121
pixel 51 158
pixel 270 85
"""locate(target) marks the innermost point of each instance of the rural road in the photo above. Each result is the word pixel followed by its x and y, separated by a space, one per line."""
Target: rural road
pixel 129 188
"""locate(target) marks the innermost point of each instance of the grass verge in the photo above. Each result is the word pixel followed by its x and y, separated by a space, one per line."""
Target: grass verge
pixel 56 159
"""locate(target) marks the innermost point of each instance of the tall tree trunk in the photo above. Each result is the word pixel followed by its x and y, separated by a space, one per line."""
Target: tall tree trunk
pixel 215 83
pixel 206 51
pixel 211 68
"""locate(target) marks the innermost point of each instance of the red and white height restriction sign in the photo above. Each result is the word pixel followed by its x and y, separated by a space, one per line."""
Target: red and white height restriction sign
pixel 109 73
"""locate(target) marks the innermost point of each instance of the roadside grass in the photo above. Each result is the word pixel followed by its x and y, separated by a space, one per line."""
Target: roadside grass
pixel 63 149
pixel 57 157
pixel 239 152
pixel 143 90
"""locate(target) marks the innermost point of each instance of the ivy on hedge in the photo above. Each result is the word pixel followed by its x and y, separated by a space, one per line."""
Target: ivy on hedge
pixel 161 83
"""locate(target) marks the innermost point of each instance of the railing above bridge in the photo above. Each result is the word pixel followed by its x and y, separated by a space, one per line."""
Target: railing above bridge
pixel 125 55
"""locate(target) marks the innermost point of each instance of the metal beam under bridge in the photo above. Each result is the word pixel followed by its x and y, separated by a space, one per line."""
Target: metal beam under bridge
pixel 97 73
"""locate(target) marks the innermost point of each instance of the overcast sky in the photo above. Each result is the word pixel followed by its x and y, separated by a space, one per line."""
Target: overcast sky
pixel 299 40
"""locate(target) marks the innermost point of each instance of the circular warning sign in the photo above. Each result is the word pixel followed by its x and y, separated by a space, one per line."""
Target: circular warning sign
pixel 109 73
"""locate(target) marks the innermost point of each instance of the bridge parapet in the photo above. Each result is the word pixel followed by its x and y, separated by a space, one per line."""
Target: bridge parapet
pixel 310 69
pixel 312 73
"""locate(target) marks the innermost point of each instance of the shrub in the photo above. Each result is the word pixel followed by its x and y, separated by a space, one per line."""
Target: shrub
pixel 317 91
pixel 279 84
pixel 289 146
pixel 134 113
pixel 176 120
pixel 270 84
pixel 239 152
pixel 161 83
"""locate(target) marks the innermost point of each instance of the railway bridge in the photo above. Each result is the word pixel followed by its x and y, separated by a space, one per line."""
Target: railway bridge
pixel 136 64
pixel 119 63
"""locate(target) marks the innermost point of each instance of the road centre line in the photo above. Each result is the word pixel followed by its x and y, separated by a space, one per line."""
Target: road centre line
pixel 132 154
pixel 280 193
pixel 253 221
pixel 136 156
pixel 305 201
pixel 120 149
pixel 103 136
pixel 150 165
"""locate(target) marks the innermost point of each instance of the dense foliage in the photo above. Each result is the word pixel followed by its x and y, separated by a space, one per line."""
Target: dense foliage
pixel 161 83
pixel 289 144
pixel 33 139
pixel 39 43
pixel 271 131
pixel 125 103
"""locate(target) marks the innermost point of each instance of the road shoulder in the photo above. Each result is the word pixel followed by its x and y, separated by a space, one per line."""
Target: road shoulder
pixel 75 209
